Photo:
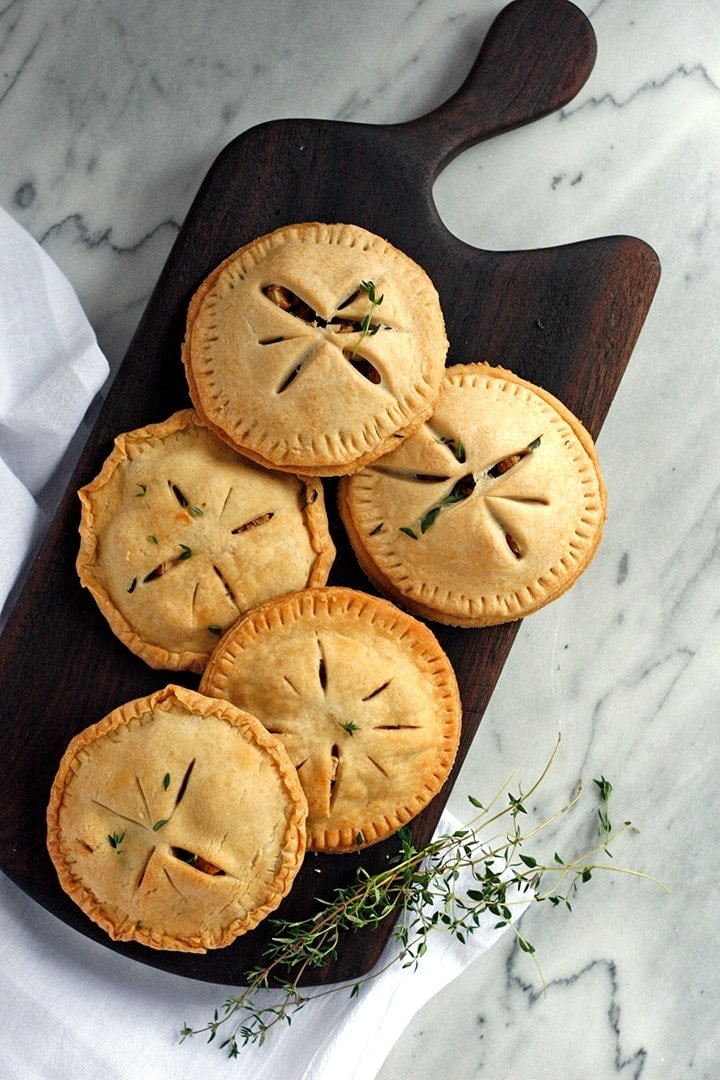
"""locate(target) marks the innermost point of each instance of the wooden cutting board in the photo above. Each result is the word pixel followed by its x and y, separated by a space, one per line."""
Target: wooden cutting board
pixel 566 318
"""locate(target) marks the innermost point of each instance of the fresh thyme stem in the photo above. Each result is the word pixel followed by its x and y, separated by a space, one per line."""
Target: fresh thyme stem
pixel 453 884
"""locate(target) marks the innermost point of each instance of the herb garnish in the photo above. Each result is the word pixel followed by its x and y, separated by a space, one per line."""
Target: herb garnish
pixel 423 885
pixel 454 445
pixel 350 727
pixel 166 781
pixel 116 840
pixel 185 552
pixel 366 330
pixel 461 490
pixel 142 492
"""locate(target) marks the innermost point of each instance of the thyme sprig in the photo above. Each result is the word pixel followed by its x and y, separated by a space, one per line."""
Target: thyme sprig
pixel 366 327
pixel 452 884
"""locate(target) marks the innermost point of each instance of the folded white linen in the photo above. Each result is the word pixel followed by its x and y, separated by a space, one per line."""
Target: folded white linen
pixel 50 370
pixel 71 1008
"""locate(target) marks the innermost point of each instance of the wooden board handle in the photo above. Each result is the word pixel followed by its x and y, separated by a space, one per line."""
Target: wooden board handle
pixel 535 58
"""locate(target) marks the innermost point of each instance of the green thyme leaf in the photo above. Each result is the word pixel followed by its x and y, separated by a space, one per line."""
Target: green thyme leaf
pixel 423 884
pixel 186 552
pixel 142 492
pixel 159 824
pixel 116 840
pixel 366 329
pixel 408 531
pixel 166 781
pixel 377 529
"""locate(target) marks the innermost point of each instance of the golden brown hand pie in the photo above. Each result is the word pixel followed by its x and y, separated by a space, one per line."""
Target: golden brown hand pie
pixel 180 535
pixel 176 821
pixel 280 363
pixel 362 696
pixel 492 509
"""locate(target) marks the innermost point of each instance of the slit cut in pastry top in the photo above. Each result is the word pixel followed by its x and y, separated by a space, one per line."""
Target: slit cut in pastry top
pixel 489 511
pixel 312 347
pixel 361 695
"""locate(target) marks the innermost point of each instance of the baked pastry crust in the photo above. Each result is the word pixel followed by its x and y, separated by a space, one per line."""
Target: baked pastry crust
pixel 363 697
pixel 277 361
pixel 486 514
pixel 177 821
pixel 179 535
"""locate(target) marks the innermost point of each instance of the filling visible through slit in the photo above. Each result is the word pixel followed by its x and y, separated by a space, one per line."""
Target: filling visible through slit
pixel 261 519
pixel 197 861
pixel 168 564
pixel 512 544
pixel 334 769
pixel 288 301
pixel 364 368
pixel 508 462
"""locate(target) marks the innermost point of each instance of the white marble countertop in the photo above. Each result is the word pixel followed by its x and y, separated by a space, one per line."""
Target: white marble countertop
pixel 110 115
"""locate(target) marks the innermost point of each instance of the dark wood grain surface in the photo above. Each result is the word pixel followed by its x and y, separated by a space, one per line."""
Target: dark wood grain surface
pixel 566 318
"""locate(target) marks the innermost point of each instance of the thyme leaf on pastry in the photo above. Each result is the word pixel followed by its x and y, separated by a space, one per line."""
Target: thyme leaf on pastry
pixel 461 490
pixel 142 492
pixel 115 840
pixel 454 445
pixel 366 327
pixel 423 884
pixel 350 727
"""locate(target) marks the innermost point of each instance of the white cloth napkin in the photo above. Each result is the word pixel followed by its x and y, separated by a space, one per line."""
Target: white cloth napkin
pixel 69 1008
pixel 50 370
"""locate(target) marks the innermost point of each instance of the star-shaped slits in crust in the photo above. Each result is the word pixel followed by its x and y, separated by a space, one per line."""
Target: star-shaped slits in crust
pixel 346 720
pixel 346 334
pixel 142 822
pixel 449 487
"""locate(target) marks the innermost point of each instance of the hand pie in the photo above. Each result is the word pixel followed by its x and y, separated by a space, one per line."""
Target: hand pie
pixel 177 821
pixel 363 698
pixel 180 535
pixel 311 348
pixel 492 509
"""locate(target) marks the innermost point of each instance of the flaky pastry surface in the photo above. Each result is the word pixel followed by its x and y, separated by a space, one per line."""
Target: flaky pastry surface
pixel 176 821
pixel 489 511
pixel 277 360
pixel 180 535
pixel 363 698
